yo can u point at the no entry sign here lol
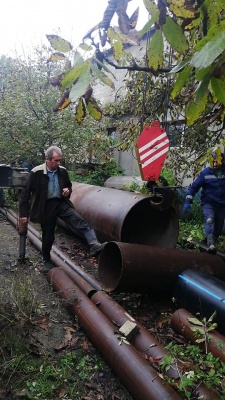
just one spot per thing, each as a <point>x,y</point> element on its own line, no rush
<point>152,148</point>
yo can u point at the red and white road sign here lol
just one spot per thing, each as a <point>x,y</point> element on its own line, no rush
<point>152,149</point>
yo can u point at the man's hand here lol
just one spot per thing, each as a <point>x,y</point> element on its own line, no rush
<point>186,209</point>
<point>24,220</point>
<point>65,192</point>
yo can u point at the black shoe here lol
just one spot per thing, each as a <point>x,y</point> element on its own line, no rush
<point>96,248</point>
<point>211,249</point>
<point>47,265</point>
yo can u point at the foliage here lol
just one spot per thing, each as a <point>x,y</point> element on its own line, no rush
<point>30,376</point>
<point>201,368</point>
<point>100,174</point>
<point>136,109</point>
<point>28,123</point>
<point>191,231</point>
<point>202,329</point>
<point>39,378</point>
<point>195,33</point>
<point>168,174</point>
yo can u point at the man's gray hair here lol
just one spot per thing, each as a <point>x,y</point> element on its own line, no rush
<point>53,149</point>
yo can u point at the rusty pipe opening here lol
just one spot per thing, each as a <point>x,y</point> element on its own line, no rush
<point>145,224</point>
<point>129,267</point>
<point>110,276</point>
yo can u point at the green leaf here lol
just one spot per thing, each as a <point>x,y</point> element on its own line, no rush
<point>196,108</point>
<point>152,8</point>
<point>212,327</point>
<point>85,47</point>
<point>147,26</point>
<point>174,35</point>
<point>195,321</point>
<point>200,74</point>
<point>81,86</point>
<point>74,74</point>
<point>193,112</point>
<point>207,55</point>
<point>212,317</point>
<point>116,44</point>
<point>181,80</point>
<point>59,44</point>
<point>154,12</point>
<point>77,59</point>
<point>180,66</point>
<point>103,77</point>
<point>202,90</point>
<point>104,67</point>
<point>212,32</point>
<point>200,340</point>
<point>218,87</point>
<point>155,51</point>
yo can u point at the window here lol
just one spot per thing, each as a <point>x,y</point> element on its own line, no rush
<point>174,132</point>
<point>111,132</point>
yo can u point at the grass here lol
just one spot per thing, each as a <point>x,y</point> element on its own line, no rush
<point>25,373</point>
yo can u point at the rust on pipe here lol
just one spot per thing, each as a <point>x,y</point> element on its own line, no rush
<point>139,378</point>
<point>215,341</point>
<point>90,292</point>
<point>202,247</point>
<point>119,215</point>
<point>144,342</point>
<point>133,267</point>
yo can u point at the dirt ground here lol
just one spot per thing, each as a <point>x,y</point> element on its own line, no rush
<point>55,330</point>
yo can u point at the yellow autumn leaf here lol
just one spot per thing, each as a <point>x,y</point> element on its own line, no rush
<point>80,112</point>
<point>93,109</point>
<point>182,8</point>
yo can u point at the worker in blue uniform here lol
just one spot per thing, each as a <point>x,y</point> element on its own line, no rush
<point>212,182</point>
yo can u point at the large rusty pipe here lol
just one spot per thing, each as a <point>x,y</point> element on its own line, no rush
<point>215,342</point>
<point>133,267</point>
<point>139,378</point>
<point>119,215</point>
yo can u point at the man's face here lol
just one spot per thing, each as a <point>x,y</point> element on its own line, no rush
<point>54,162</point>
<point>217,164</point>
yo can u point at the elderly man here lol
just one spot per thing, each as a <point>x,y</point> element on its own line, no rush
<point>46,198</point>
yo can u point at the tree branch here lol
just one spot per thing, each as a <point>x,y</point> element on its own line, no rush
<point>136,67</point>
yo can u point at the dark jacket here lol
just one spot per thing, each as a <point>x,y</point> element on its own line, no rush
<point>34,194</point>
<point>212,182</point>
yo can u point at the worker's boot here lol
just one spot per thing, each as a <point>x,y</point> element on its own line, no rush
<point>211,244</point>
